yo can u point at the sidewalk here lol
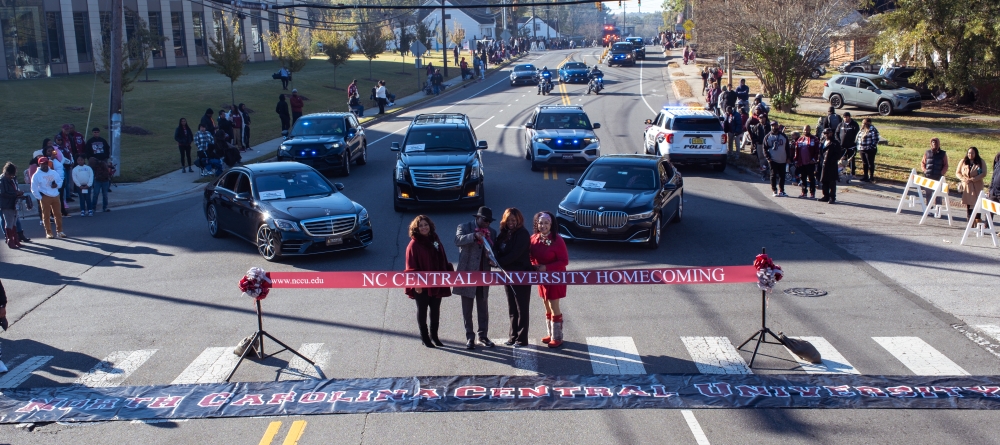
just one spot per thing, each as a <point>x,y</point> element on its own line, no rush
<point>176,183</point>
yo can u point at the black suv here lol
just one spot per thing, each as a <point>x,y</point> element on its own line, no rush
<point>622,54</point>
<point>640,47</point>
<point>326,141</point>
<point>438,163</point>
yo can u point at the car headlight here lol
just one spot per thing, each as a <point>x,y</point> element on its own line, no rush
<point>333,145</point>
<point>283,147</point>
<point>285,225</point>
<point>363,215</point>
<point>543,139</point>
<point>474,170</point>
<point>589,141</point>
<point>400,171</point>
<point>566,213</point>
<point>638,216</point>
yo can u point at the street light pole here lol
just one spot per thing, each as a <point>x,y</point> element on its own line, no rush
<point>115,74</point>
<point>444,40</point>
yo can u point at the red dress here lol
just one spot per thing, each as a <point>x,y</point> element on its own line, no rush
<point>555,258</point>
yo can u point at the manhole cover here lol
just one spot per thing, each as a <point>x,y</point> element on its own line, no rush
<point>805,292</point>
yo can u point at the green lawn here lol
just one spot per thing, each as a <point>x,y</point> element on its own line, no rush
<point>35,109</point>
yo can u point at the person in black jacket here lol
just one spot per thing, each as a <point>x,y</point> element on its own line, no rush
<point>246,125</point>
<point>208,121</point>
<point>283,114</point>
<point>3,322</point>
<point>184,138</point>
<point>847,135</point>
<point>832,153</point>
<point>512,254</point>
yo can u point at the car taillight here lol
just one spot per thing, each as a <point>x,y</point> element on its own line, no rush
<point>724,136</point>
<point>826,84</point>
<point>668,137</point>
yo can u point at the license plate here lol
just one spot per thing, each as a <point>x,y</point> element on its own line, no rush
<point>599,230</point>
<point>334,240</point>
<point>567,157</point>
<point>697,141</point>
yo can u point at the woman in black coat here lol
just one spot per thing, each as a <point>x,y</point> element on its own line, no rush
<point>830,157</point>
<point>513,254</point>
<point>184,138</point>
<point>283,114</point>
<point>426,253</point>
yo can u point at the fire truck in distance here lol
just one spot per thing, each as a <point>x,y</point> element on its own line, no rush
<point>611,35</point>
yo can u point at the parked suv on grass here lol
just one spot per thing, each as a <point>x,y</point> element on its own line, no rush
<point>870,91</point>
<point>687,136</point>
<point>560,135</point>
<point>439,162</point>
<point>862,65</point>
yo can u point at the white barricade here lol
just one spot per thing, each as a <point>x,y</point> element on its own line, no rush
<point>939,189</point>
<point>985,209</point>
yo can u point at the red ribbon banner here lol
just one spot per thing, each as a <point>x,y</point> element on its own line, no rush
<point>395,280</point>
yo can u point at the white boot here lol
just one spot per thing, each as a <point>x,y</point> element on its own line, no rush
<point>557,331</point>
<point>548,329</point>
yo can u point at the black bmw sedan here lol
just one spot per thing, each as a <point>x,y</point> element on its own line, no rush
<point>285,208</point>
<point>622,198</point>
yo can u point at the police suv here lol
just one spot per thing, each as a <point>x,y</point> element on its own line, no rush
<point>687,136</point>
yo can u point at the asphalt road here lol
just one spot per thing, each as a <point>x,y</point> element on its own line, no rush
<point>151,278</point>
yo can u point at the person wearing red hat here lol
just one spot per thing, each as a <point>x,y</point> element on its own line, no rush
<point>45,184</point>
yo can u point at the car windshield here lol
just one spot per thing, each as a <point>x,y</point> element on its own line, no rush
<point>697,124</point>
<point>562,121</point>
<point>575,66</point>
<point>524,68</point>
<point>629,177</point>
<point>636,41</point>
<point>295,184</point>
<point>622,47</point>
<point>328,126</point>
<point>884,84</point>
<point>443,139</point>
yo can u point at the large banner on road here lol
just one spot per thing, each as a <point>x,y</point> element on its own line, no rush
<point>489,393</point>
<point>391,280</point>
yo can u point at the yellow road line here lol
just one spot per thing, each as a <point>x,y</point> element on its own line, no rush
<point>295,432</point>
<point>272,430</point>
<point>545,174</point>
<point>554,174</point>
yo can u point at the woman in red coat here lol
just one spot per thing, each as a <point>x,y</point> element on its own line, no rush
<point>548,254</point>
<point>426,253</point>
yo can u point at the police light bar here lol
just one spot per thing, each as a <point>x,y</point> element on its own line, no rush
<point>669,107</point>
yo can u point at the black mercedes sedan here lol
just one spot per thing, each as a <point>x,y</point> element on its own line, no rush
<point>524,74</point>
<point>285,208</point>
<point>622,198</point>
<point>326,141</point>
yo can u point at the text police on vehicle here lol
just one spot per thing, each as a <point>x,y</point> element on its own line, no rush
<point>560,135</point>
<point>687,136</point>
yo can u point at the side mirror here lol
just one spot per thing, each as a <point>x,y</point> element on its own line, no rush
<point>482,145</point>
<point>649,122</point>
<point>669,186</point>
<point>529,125</point>
<point>339,185</point>
<point>571,182</point>
<point>597,125</point>
<point>245,196</point>
<point>394,146</point>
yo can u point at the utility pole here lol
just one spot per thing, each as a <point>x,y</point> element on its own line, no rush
<point>534,23</point>
<point>115,74</point>
<point>503,11</point>
<point>444,40</point>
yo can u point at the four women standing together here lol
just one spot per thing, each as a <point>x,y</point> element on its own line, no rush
<point>515,250</point>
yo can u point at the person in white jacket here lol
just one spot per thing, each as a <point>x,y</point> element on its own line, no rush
<point>45,186</point>
<point>83,177</point>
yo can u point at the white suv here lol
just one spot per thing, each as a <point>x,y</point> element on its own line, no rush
<point>687,136</point>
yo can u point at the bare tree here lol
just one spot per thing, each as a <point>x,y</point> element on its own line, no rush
<point>337,47</point>
<point>781,41</point>
<point>371,39</point>
<point>457,35</point>
<point>135,52</point>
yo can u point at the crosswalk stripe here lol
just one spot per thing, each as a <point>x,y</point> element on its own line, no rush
<point>715,355</point>
<point>833,361</point>
<point>920,357</point>
<point>115,368</point>
<point>614,355</point>
<point>211,366</point>
<point>21,372</point>
<point>990,329</point>
<point>298,369</point>
<point>699,435</point>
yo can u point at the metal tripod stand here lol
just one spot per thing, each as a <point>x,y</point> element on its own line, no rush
<point>257,345</point>
<point>764,331</point>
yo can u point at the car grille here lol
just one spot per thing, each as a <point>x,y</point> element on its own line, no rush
<point>567,144</point>
<point>307,151</point>
<point>437,178</point>
<point>332,225</point>
<point>593,218</point>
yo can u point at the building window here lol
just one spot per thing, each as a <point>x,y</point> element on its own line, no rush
<point>487,32</point>
<point>847,46</point>
<point>219,28</point>
<point>53,31</point>
<point>156,30</point>
<point>272,22</point>
<point>177,31</point>
<point>81,29</point>
<point>257,29</point>
<point>198,21</point>
<point>25,43</point>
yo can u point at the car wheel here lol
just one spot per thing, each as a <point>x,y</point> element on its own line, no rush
<point>815,74</point>
<point>836,101</point>
<point>345,169</point>
<point>268,244</point>
<point>884,108</point>
<point>680,209</point>
<point>857,70</point>
<point>654,239</point>
<point>720,167</point>
<point>363,159</point>
<point>212,215</point>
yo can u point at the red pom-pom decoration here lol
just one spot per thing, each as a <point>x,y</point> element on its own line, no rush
<point>256,283</point>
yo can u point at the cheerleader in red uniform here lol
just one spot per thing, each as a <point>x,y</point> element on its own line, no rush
<point>548,254</point>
